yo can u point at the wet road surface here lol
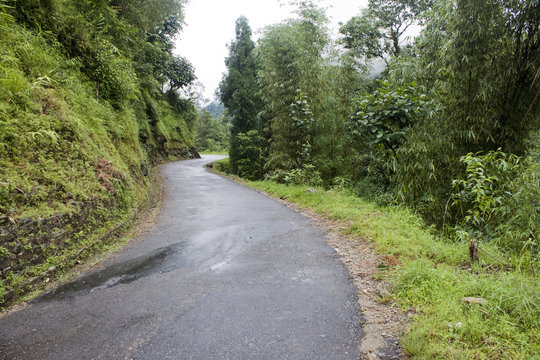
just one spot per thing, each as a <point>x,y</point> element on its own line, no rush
<point>226,273</point>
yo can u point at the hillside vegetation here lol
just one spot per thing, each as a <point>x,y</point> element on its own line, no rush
<point>89,101</point>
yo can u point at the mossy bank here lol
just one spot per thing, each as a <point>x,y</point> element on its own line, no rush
<point>86,110</point>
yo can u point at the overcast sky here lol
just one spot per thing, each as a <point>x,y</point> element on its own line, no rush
<point>210,27</point>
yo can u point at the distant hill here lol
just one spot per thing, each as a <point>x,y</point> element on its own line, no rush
<point>215,108</point>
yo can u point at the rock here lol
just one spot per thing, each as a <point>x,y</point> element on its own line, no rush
<point>161,139</point>
<point>16,248</point>
<point>311,190</point>
<point>27,254</point>
<point>383,294</point>
<point>474,300</point>
<point>144,168</point>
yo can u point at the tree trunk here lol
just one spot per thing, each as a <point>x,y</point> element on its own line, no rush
<point>473,250</point>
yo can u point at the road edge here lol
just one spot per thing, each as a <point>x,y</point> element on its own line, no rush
<point>384,321</point>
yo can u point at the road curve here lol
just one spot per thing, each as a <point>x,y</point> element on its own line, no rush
<point>226,273</point>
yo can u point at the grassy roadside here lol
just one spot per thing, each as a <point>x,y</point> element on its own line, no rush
<point>431,275</point>
<point>219,152</point>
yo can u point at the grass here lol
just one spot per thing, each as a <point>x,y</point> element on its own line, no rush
<point>432,276</point>
<point>54,131</point>
<point>217,152</point>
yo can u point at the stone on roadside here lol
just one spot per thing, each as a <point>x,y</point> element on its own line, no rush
<point>474,300</point>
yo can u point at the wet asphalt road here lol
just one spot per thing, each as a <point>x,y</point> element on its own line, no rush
<point>226,273</point>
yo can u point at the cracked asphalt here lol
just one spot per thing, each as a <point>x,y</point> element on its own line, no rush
<point>226,273</point>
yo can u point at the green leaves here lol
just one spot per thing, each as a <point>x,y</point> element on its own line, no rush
<point>486,55</point>
<point>250,154</point>
<point>377,31</point>
<point>239,90</point>
<point>495,200</point>
<point>386,115</point>
<point>291,84</point>
<point>213,133</point>
<point>179,72</point>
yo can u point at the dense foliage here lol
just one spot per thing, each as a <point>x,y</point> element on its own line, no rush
<point>461,88</point>
<point>238,89</point>
<point>378,32</point>
<point>213,133</point>
<point>86,83</point>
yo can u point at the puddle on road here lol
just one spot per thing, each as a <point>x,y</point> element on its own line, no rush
<point>219,266</point>
<point>213,250</point>
<point>116,274</point>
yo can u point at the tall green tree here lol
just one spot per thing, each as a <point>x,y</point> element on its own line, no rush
<point>482,60</point>
<point>291,56</point>
<point>378,31</point>
<point>239,90</point>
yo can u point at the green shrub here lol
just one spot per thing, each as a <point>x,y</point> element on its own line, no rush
<point>250,155</point>
<point>223,165</point>
<point>307,175</point>
<point>499,199</point>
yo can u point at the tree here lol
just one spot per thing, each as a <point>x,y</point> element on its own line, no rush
<point>481,58</point>
<point>291,55</point>
<point>212,133</point>
<point>301,120</point>
<point>378,31</point>
<point>149,15</point>
<point>488,67</point>
<point>179,72</point>
<point>239,90</point>
<point>386,116</point>
<point>381,124</point>
<point>250,159</point>
<point>331,141</point>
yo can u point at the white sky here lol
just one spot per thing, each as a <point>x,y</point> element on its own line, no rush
<point>210,27</point>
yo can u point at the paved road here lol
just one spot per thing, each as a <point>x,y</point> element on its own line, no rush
<point>226,273</point>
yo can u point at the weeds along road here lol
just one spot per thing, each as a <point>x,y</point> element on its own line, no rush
<point>226,273</point>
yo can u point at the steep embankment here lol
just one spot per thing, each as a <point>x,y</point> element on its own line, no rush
<point>82,120</point>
